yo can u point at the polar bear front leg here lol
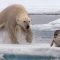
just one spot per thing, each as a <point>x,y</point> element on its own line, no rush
<point>29,36</point>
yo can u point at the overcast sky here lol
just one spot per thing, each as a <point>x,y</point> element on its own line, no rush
<point>34,5</point>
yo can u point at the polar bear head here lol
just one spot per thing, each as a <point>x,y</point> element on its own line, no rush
<point>24,21</point>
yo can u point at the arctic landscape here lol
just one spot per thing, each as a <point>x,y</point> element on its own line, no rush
<point>45,20</point>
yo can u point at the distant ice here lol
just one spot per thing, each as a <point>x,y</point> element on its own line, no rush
<point>53,25</point>
<point>35,6</point>
<point>57,21</point>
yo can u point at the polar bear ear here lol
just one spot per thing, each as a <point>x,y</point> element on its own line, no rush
<point>17,20</point>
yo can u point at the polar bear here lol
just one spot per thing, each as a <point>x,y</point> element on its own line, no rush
<point>14,18</point>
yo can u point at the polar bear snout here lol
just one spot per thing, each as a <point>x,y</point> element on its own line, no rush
<point>27,27</point>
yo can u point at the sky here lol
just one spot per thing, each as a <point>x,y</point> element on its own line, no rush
<point>35,6</point>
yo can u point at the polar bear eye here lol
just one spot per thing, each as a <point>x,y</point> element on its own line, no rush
<point>29,21</point>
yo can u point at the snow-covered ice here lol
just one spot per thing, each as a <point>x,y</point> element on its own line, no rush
<point>53,25</point>
<point>35,6</point>
<point>33,49</point>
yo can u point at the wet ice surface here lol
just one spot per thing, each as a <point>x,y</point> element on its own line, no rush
<point>32,49</point>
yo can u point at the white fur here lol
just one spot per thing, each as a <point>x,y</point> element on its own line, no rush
<point>4,37</point>
<point>21,37</point>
